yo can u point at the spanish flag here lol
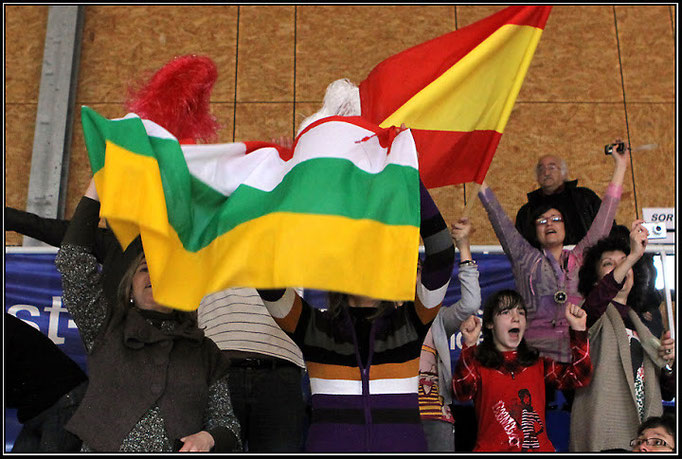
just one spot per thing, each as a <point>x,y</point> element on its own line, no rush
<point>342,214</point>
<point>456,92</point>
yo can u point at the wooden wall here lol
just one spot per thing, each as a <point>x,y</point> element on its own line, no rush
<point>599,72</point>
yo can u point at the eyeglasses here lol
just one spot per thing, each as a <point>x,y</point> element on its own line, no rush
<point>543,221</point>
<point>650,442</point>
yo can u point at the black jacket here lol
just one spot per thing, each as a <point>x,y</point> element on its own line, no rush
<point>105,248</point>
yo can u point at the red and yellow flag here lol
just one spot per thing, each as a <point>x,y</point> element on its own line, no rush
<point>456,92</point>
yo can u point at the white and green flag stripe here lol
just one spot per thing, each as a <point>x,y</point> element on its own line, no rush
<point>341,214</point>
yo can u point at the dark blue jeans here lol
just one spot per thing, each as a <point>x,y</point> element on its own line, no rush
<point>268,403</point>
<point>45,432</point>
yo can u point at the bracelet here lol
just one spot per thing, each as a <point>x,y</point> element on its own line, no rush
<point>468,263</point>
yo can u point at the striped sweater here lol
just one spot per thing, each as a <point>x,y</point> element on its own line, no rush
<point>369,402</point>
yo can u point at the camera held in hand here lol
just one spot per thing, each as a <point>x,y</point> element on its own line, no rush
<point>620,148</point>
<point>657,230</point>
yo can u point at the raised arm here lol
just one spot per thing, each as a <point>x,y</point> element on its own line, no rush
<point>603,221</point>
<point>470,299</point>
<point>638,242</point>
<point>578,373</point>
<point>513,243</point>
<point>81,278</point>
<point>48,230</point>
<point>466,378</point>
<point>52,230</point>
<point>438,261</point>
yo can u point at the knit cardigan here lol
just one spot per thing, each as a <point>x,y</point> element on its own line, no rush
<point>604,414</point>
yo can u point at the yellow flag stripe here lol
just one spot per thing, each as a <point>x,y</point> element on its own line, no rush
<point>143,201</point>
<point>312,250</point>
<point>467,96</point>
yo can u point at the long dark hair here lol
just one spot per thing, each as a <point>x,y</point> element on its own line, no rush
<point>486,352</point>
<point>588,276</point>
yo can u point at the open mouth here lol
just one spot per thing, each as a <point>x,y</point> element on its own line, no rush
<point>551,231</point>
<point>514,332</point>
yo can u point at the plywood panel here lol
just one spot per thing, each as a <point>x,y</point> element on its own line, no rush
<point>654,169</point>
<point>24,44</point>
<point>571,102</point>
<point>224,113</point>
<point>122,43</point>
<point>265,69</point>
<point>19,121</point>
<point>647,47</point>
<point>348,41</point>
<point>263,121</point>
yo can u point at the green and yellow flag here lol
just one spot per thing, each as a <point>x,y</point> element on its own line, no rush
<point>341,215</point>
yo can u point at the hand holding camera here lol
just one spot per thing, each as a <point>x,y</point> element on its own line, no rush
<point>638,239</point>
<point>657,230</point>
<point>618,147</point>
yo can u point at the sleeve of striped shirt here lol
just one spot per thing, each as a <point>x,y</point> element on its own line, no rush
<point>284,306</point>
<point>572,375</point>
<point>466,377</point>
<point>438,261</point>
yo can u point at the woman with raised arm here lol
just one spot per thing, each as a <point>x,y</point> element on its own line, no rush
<point>547,278</point>
<point>157,384</point>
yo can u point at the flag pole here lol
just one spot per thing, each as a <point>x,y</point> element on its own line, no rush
<point>470,202</point>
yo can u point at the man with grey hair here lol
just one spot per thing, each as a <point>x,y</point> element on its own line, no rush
<point>579,205</point>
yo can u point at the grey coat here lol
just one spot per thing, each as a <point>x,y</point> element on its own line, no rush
<point>604,414</point>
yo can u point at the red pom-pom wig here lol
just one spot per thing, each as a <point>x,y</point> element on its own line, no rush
<point>177,97</point>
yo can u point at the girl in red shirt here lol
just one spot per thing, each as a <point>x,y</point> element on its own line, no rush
<point>506,378</point>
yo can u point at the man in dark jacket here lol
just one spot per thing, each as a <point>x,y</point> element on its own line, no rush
<point>579,205</point>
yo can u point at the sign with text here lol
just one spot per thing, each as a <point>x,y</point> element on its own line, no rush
<point>663,219</point>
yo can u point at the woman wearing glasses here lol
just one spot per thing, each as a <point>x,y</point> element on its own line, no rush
<point>548,277</point>
<point>656,434</point>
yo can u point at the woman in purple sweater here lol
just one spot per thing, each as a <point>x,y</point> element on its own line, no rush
<point>548,277</point>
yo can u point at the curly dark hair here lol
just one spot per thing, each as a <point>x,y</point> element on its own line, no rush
<point>486,352</point>
<point>588,275</point>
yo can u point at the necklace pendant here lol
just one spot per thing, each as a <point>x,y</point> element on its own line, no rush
<point>560,297</point>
